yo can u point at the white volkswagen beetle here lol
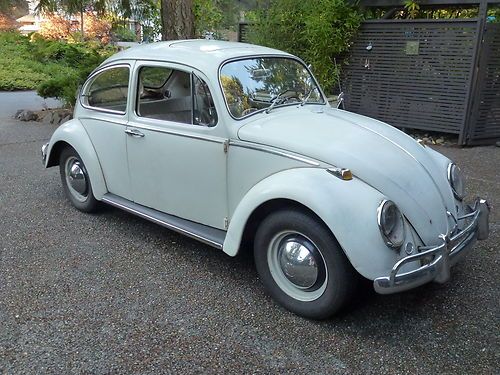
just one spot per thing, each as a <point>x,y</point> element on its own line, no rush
<point>235,144</point>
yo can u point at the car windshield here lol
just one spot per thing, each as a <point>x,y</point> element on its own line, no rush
<point>264,83</point>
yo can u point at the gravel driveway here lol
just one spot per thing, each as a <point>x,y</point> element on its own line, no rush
<point>12,101</point>
<point>111,293</point>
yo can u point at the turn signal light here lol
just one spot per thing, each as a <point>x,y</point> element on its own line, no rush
<point>342,173</point>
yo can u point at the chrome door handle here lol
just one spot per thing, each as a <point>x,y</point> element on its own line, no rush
<point>134,133</point>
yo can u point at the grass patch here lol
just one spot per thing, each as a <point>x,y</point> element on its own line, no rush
<point>53,68</point>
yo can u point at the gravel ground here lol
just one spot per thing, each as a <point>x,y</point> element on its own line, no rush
<point>110,293</point>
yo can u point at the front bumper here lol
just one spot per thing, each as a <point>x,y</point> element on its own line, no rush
<point>436,260</point>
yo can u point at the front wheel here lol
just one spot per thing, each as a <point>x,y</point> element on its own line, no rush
<point>76,181</point>
<point>302,265</point>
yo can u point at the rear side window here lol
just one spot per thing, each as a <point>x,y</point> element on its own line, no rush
<point>109,90</point>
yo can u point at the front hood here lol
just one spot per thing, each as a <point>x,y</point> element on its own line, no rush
<point>380,155</point>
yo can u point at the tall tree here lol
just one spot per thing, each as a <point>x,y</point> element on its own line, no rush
<point>177,18</point>
<point>73,7</point>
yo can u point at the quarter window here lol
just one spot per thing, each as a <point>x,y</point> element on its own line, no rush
<point>109,90</point>
<point>204,108</point>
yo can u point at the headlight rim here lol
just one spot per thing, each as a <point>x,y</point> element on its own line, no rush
<point>388,242</point>
<point>449,173</point>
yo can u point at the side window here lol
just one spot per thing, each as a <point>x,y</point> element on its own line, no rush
<point>109,90</point>
<point>164,94</point>
<point>174,95</point>
<point>204,109</point>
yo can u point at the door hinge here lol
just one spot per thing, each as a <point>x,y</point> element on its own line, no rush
<point>226,145</point>
<point>226,223</point>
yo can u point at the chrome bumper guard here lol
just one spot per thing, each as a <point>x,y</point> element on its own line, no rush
<point>437,260</point>
<point>44,152</point>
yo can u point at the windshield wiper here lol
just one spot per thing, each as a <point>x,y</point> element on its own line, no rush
<point>276,101</point>
<point>308,95</point>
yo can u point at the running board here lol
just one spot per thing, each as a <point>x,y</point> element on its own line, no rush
<point>211,236</point>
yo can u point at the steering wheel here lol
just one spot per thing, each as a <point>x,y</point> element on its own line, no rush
<point>248,111</point>
<point>285,99</point>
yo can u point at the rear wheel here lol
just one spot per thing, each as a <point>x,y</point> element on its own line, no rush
<point>76,181</point>
<point>301,264</point>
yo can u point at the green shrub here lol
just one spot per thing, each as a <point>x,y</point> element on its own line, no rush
<point>61,87</point>
<point>317,31</point>
<point>124,34</point>
<point>54,68</point>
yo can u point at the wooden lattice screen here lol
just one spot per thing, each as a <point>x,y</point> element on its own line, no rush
<point>412,74</point>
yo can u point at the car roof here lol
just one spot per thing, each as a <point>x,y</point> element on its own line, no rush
<point>201,54</point>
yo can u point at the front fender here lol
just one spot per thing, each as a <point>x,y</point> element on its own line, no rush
<point>348,208</point>
<point>74,134</point>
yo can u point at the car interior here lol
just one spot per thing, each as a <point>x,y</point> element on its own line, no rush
<point>167,94</point>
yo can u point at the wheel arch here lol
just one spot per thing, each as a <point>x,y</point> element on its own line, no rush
<point>72,134</point>
<point>266,208</point>
<point>347,208</point>
<point>55,153</point>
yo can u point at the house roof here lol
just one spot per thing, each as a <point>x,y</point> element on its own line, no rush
<point>28,18</point>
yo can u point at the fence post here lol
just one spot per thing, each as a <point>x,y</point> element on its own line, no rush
<point>473,95</point>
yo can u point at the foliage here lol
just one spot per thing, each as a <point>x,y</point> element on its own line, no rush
<point>148,13</point>
<point>124,34</point>
<point>56,27</point>
<point>316,36</point>
<point>56,68</point>
<point>412,8</point>
<point>62,87</point>
<point>214,15</point>
<point>96,28</point>
<point>7,23</point>
<point>207,15</point>
<point>72,7</point>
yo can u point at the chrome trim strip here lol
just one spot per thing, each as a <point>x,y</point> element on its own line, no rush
<point>163,223</point>
<point>443,201</point>
<point>172,132</point>
<point>112,121</point>
<point>380,208</point>
<point>269,150</point>
<point>448,175</point>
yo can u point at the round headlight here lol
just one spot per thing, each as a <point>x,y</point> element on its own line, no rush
<point>456,181</point>
<point>391,224</point>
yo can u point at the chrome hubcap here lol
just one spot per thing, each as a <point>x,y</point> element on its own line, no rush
<point>297,266</point>
<point>298,262</point>
<point>76,178</point>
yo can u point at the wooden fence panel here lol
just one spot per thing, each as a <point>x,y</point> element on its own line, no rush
<point>412,74</point>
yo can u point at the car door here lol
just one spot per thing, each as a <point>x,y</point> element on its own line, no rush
<point>176,150</point>
<point>104,116</point>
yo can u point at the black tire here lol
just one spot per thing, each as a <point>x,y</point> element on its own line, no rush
<point>86,201</point>
<point>333,286</point>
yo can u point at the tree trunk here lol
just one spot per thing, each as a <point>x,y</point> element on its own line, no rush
<point>177,19</point>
